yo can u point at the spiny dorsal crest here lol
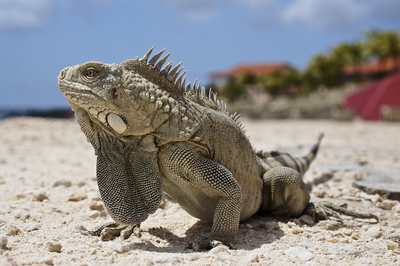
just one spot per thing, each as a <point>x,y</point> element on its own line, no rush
<point>177,82</point>
<point>176,78</point>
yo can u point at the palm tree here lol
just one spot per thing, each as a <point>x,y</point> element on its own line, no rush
<point>324,70</point>
<point>383,45</point>
<point>349,54</point>
<point>280,82</point>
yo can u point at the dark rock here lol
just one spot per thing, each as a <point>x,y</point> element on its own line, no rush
<point>382,182</point>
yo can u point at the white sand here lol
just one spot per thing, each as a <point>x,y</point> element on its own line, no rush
<point>44,162</point>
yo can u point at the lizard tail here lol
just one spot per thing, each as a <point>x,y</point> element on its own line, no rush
<point>310,156</point>
<point>300,164</point>
<point>314,149</point>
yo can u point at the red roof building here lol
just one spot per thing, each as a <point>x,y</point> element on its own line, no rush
<point>368,102</point>
<point>373,68</point>
<point>255,69</point>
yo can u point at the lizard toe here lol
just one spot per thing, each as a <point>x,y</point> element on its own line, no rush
<point>110,231</point>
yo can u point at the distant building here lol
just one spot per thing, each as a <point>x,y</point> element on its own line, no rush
<point>254,93</point>
<point>371,70</point>
<point>379,100</point>
<point>220,77</point>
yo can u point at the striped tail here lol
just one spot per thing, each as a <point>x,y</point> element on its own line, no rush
<point>300,164</point>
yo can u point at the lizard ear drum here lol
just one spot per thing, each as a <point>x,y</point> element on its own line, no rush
<point>117,123</point>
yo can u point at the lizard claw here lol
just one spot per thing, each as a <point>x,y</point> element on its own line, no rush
<point>324,209</point>
<point>109,231</point>
<point>204,243</point>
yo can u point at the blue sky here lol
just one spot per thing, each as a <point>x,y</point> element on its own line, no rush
<point>40,37</point>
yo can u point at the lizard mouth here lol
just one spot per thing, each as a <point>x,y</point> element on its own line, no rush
<point>83,96</point>
<point>76,93</point>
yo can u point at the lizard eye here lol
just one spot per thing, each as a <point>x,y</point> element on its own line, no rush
<point>91,72</point>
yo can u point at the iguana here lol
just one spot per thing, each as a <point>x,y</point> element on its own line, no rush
<point>154,134</point>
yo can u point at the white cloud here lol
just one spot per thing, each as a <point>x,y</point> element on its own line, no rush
<point>325,14</point>
<point>319,14</point>
<point>263,12</point>
<point>388,10</point>
<point>24,14</point>
<point>197,10</point>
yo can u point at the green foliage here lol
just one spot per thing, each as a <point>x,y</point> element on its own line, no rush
<point>383,44</point>
<point>323,70</point>
<point>349,53</point>
<point>233,90</point>
<point>247,79</point>
<point>279,82</point>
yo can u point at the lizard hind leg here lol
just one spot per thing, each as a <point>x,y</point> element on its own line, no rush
<point>284,189</point>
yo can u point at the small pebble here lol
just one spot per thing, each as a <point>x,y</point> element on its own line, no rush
<point>39,196</point>
<point>77,197</point>
<point>167,259</point>
<point>391,245</point>
<point>96,205</point>
<point>270,238</point>
<point>251,258</point>
<point>21,214</point>
<point>31,227</point>
<point>299,252</point>
<point>12,230</point>
<point>373,198</point>
<point>249,226</point>
<point>10,262</point>
<point>47,260</point>
<point>17,197</point>
<point>307,219</point>
<point>355,236</point>
<point>93,214</point>
<point>123,247</point>
<point>3,240</point>
<point>271,225</point>
<point>374,232</point>
<point>349,250</point>
<point>65,183</point>
<point>219,249</point>
<point>297,230</point>
<point>347,231</point>
<point>291,224</point>
<point>376,198</point>
<point>387,204</point>
<point>393,237</point>
<point>54,246</point>
<point>330,224</point>
<point>82,229</point>
<point>81,183</point>
<point>333,240</point>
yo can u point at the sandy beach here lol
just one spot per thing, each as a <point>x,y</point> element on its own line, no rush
<point>49,195</point>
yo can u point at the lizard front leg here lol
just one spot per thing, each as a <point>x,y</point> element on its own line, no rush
<point>215,192</point>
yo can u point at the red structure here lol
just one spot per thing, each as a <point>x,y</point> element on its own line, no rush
<point>255,69</point>
<point>373,68</point>
<point>368,102</point>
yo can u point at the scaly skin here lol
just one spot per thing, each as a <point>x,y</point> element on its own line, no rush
<point>151,136</point>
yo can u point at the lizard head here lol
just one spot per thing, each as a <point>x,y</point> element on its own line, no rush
<point>96,89</point>
<point>136,97</point>
<point>133,98</point>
